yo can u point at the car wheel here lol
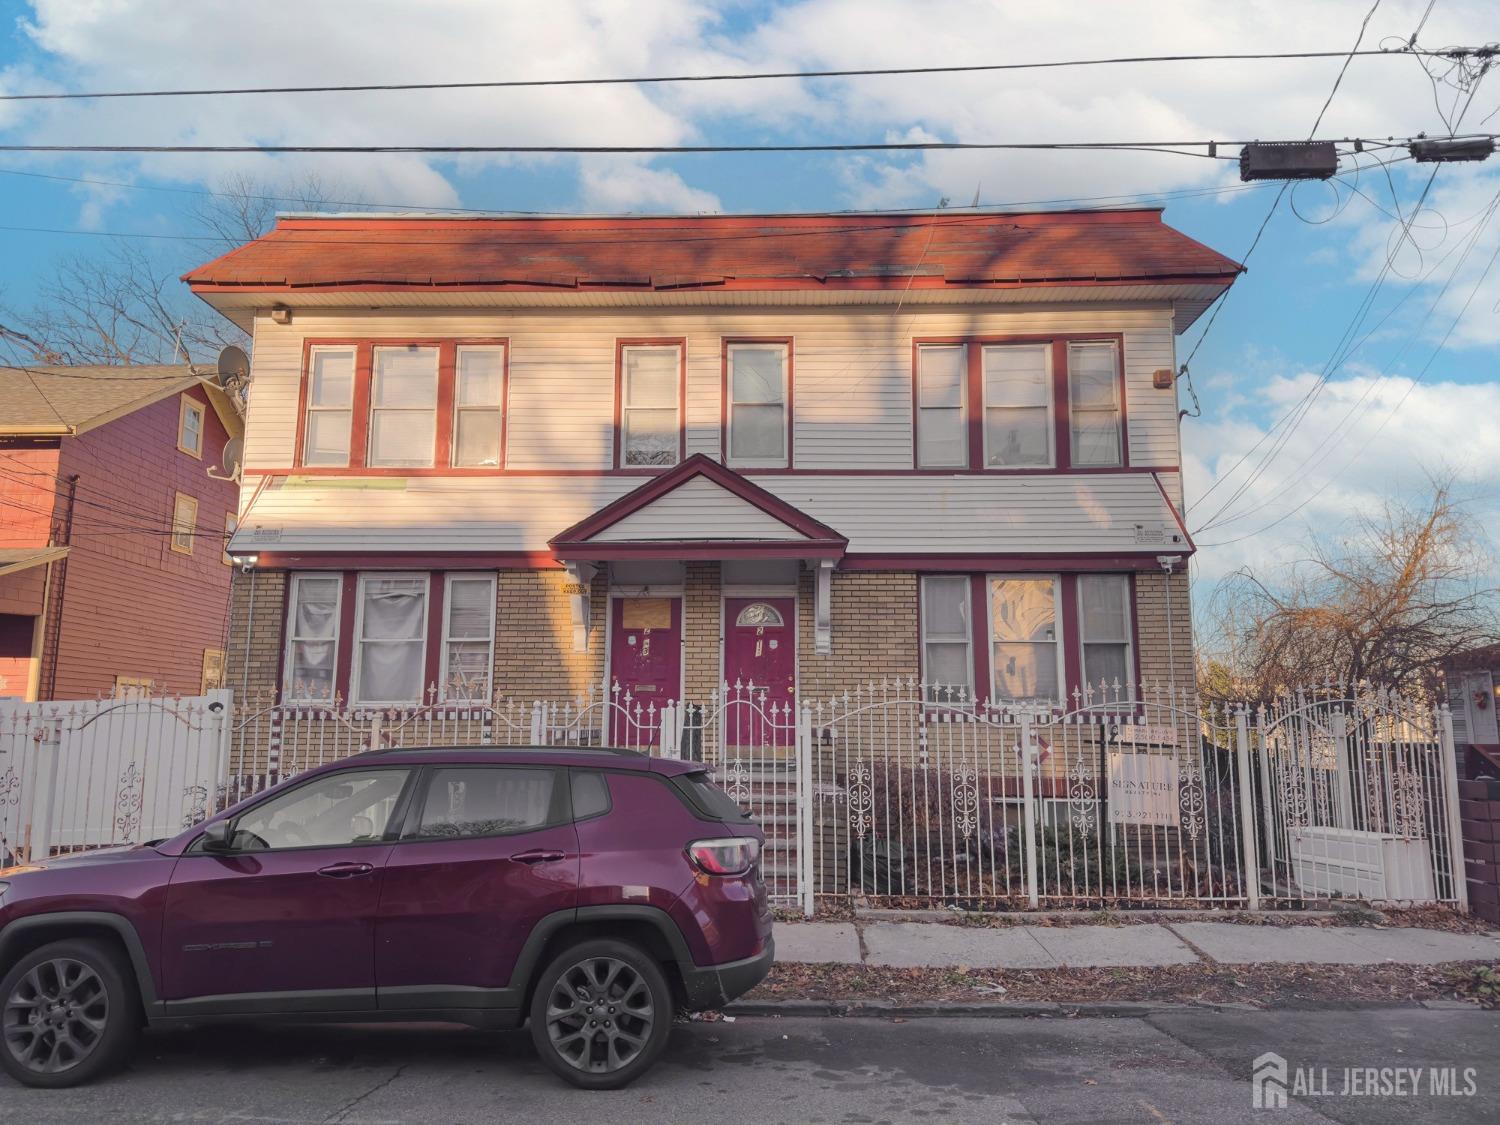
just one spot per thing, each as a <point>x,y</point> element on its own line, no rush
<point>69,1011</point>
<point>601,1014</point>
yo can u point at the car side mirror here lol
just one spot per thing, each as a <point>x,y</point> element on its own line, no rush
<point>216,837</point>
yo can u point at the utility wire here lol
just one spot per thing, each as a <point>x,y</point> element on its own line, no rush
<point>649,80</point>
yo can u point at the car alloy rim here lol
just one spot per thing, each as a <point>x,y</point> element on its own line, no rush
<point>55,1015</point>
<point>600,1015</point>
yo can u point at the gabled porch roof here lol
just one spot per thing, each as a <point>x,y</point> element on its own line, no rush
<point>698,510</point>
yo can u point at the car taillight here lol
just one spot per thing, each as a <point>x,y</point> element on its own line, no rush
<point>732,855</point>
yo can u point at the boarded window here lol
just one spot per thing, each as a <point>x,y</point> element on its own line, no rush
<point>646,613</point>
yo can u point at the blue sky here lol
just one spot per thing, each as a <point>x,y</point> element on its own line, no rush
<point>1406,402</point>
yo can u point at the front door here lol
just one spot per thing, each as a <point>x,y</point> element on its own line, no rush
<point>645,660</point>
<point>760,652</point>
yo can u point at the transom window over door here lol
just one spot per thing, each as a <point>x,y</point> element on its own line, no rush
<point>650,426</point>
<point>1094,401</point>
<point>1017,406</point>
<point>390,641</point>
<point>1025,656</point>
<point>330,407</point>
<point>942,421</point>
<point>756,398</point>
<point>403,407</point>
<point>478,406</point>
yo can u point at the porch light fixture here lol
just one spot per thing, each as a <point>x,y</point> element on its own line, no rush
<point>246,563</point>
<point>1288,160</point>
<point>280,314</point>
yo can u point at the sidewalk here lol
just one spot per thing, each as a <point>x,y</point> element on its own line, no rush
<point>935,945</point>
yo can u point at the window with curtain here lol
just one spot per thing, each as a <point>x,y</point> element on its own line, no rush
<point>403,407</point>
<point>1023,628</point>
<point>390,651</point>
<point>478,406</point>
<point>947,660</point>
<point>757,404</point>
<point>942,430</point>
<point>330,407</point>
<point>649,380</point>
<point>1104,619</point>
<point>312,638</point>
<point>468,637</point>
<point>1094,403</point>
<point>1017,406</point>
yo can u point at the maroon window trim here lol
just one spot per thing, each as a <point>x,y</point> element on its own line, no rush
<point>678,342</point>
<point>1061,412</point>
<point>359,425</point>
<point>791,381</point>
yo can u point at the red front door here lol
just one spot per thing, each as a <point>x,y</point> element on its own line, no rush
<point>760,649</point>
<point>645,660</point>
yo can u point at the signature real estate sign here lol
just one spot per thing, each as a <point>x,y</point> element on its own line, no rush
<point>1142,788</point>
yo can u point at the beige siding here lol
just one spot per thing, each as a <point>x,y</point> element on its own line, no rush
<point>698,509</point>
<point>851,387</point>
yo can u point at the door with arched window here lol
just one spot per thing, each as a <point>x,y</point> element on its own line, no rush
<point>760,648</point>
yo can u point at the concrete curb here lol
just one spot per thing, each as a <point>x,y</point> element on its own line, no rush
<point>1033,1009</point>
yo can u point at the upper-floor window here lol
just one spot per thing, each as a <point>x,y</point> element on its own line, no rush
<point>1017,406</point>
<point>650,421</point>
<point>1094,401</point>
<point>478,406</point>
<point>757,400</point>
<point>330,407</point>
<point>390,638</point>
<point>403,407</point>
<point>1025,657</point>
<point>942,421</point>
<point>190,426</point>
<point>1104,621</point>
<point>184,523</point>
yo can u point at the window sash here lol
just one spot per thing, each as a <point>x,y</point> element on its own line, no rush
<point>190,428</point>
<point>1095,428</point>
<point>184,523</point>
<point>471,413</point>
<point>935,411</point>
<point>1112,643</point>
<point>419,414</point>
<point>1006,644</point>
<point>328,420</point>
<point>1017,399</point>
<point>307,648</point>
<point>639,409</point>
<point>743,405</point>
<point>949,641</point>
<point>372,650</point>
<point>460,643</point>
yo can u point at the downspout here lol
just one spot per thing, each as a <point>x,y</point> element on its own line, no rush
<point>62,585</point>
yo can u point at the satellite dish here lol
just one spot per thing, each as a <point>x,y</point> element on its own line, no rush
<point>232,459</point>
<point>234,366</point>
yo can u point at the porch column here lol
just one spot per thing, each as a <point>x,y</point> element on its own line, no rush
<point>580,580</point>
<point>823,607</point>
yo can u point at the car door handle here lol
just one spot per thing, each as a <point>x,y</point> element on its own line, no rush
<point>346,870</point>
<point>537,855</point>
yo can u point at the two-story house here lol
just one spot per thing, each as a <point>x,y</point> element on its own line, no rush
<point>114,516</point>
<point>512,457</point>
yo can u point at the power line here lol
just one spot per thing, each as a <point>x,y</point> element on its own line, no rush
<point>757,76</point>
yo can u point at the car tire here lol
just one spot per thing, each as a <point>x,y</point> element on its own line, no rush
<point>86,994</point>
<point>601,1013</point>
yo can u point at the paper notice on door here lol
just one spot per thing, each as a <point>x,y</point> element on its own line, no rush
<point>646,613</point>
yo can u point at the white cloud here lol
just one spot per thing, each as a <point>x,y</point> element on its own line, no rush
<point>624,184</point>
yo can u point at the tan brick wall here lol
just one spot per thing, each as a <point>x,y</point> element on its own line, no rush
<point>874,616</point>
<point>252,672</point>
<point>534,657</point>
<point>702,630</point>
<point>1163,663</point>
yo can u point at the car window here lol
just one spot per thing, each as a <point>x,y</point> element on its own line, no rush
<point>488,801</point>
<point>590,794</point>
<point>707,797</point>
<point>348,807</point>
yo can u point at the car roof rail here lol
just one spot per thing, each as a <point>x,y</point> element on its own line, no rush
<point>612,751</point>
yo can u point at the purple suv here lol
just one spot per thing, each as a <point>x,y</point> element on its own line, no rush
<point>591,892</point>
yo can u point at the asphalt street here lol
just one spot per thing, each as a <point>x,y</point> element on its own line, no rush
<point>1181,1066</point>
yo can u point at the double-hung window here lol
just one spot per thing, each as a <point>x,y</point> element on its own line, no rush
<point>1025,657</point>
<point>468,637</point>
<point>190,427</point>
<point>1094,401</point>
<point>478,405</point>
<point>330,407</point>
<point>403,407</point>
<point>184,523</point>
<point>1018,406</point>
<point>1104,620</point>
<point>390,638</point>
<point>312,638</point>
<point>757,394</point>
<point>942,422</point>
<point>947,637</point>
<point>649,425</point>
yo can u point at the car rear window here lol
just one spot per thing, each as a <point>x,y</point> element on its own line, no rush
<point>590,794</point>
<point>707,797</point>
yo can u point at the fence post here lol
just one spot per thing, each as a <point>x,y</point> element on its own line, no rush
<point>805,809</point>
<point>221,714</point>
<point>377,735</point>
<point>1449,767</point>
<point>1028,796</point>
<point>537,722</point>
<point>1249,849</point>
<point>48,753</point>
<point>667,731</point>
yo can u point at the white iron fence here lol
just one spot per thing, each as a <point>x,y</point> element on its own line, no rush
<point>900,793</point>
